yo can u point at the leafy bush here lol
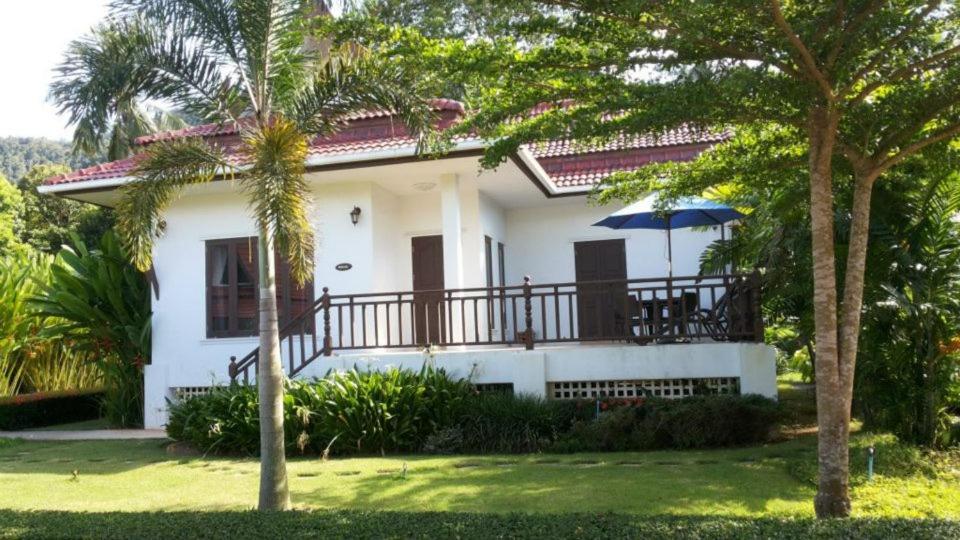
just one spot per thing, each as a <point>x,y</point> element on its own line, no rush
<point>31,360</point>
<point>225,420</point>
<point>48,409</point>
<point>379,524</point>
<point>692,422</point>
<point>350,411</point>
<point>100,302</point>
<point>401,411</point>
<point>909,354</point>
<point>504,423</point>
<point>393,410</point>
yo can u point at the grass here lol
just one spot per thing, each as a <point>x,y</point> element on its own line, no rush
<point>140,476</point>
<point>137,489</point>
<point>771,481</point>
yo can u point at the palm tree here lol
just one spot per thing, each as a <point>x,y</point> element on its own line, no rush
<point>265,67</point>
<point>104,90</point>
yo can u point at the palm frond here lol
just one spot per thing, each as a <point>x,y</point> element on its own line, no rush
<point>161,171</point>
<point>272,34</point>
<point>278,194</point>
<point>195,81</point>
<point>258,42</point>
<point>212,22</point>
<point>102,79</point>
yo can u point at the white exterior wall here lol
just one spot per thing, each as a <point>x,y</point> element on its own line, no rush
<point>538,242</point>
<point>531,371</point>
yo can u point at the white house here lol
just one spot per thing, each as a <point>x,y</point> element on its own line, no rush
<point>416,251</point>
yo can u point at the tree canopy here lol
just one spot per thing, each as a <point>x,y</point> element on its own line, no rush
<point>19,154</point>
<point>857,86</point>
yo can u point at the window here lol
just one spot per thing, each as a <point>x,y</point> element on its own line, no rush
<point>233,289</point>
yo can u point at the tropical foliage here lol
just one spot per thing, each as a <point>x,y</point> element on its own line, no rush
<point>693,422</point>
<point>49,221</point>
<point>366,412</point>
<point>861,86</point>
<point>99,304</point>
<point>344,412</point>
<point>911,337</point>
<point>20,154</point>
<point>101,85</point>
<point>11,224</point>
<point>31,360</point>
<point>264,67</point>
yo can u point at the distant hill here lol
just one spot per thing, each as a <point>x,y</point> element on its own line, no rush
<point>18,154</point>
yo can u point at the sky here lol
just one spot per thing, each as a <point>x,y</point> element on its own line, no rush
<point>33,36</point>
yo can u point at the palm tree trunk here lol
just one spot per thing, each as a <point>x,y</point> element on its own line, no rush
<point>833,411</point>
<point>274,491</point>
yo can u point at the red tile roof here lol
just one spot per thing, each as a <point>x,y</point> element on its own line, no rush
<point>568,163</point>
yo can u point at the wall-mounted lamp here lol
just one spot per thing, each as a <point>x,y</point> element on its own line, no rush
<point>355,215</point>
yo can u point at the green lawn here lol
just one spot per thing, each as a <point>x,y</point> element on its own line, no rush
<point>769,481</point>
<point>140,476</point>
<point>135,489</point>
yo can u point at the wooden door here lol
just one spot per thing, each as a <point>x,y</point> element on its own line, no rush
<point>600,307</point>
<point>428,307</point>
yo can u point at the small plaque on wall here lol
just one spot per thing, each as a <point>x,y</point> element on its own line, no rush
<point>343,267</point>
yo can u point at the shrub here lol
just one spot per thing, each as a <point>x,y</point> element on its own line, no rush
<point>340,523</point>
<point>99,301</point>
<point>507,423</point>
<point>225,420</point>
<point>402,411</point>
<point>48,409</point>
<point>30,359</point>
<point>692,422</point>
<point>350,411</point>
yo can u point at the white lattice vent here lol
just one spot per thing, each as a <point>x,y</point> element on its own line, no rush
<point>186,392</point>
<point>494,388</point>
<point>667,388</point>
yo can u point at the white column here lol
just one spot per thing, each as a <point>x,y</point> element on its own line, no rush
<point>452,226</point>
<point>474,258</point>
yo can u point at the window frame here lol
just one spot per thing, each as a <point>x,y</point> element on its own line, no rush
<point>284,286</point>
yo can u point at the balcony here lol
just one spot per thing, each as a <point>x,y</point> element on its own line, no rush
<point>640,311</point>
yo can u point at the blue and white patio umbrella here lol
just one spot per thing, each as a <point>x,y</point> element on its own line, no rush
<point>683,213</point>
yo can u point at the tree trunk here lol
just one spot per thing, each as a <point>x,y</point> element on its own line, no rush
<point>274,491</point>
<point>853,281</point>
<point>930,411</point>
<point>833,417</point>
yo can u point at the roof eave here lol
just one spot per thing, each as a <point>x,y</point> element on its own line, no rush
<point>105,184</point>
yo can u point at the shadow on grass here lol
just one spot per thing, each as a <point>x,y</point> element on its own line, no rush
<point>639,485</point>
<point>93,457</point>
<point>365,524</point>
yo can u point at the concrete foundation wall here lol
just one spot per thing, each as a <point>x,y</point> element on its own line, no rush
<point>529,371</point>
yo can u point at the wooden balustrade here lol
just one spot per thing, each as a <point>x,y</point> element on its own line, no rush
<point>641,311</point>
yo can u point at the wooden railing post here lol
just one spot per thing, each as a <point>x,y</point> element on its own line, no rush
<point>527,313</point>
<point>232,370</point>
<point>756,307</point>
<point>327,339</point>
<point>671,308</point>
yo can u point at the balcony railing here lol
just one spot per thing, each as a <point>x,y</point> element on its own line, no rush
<point>641,311</point>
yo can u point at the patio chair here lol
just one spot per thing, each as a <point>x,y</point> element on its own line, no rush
<point>719,320</point>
